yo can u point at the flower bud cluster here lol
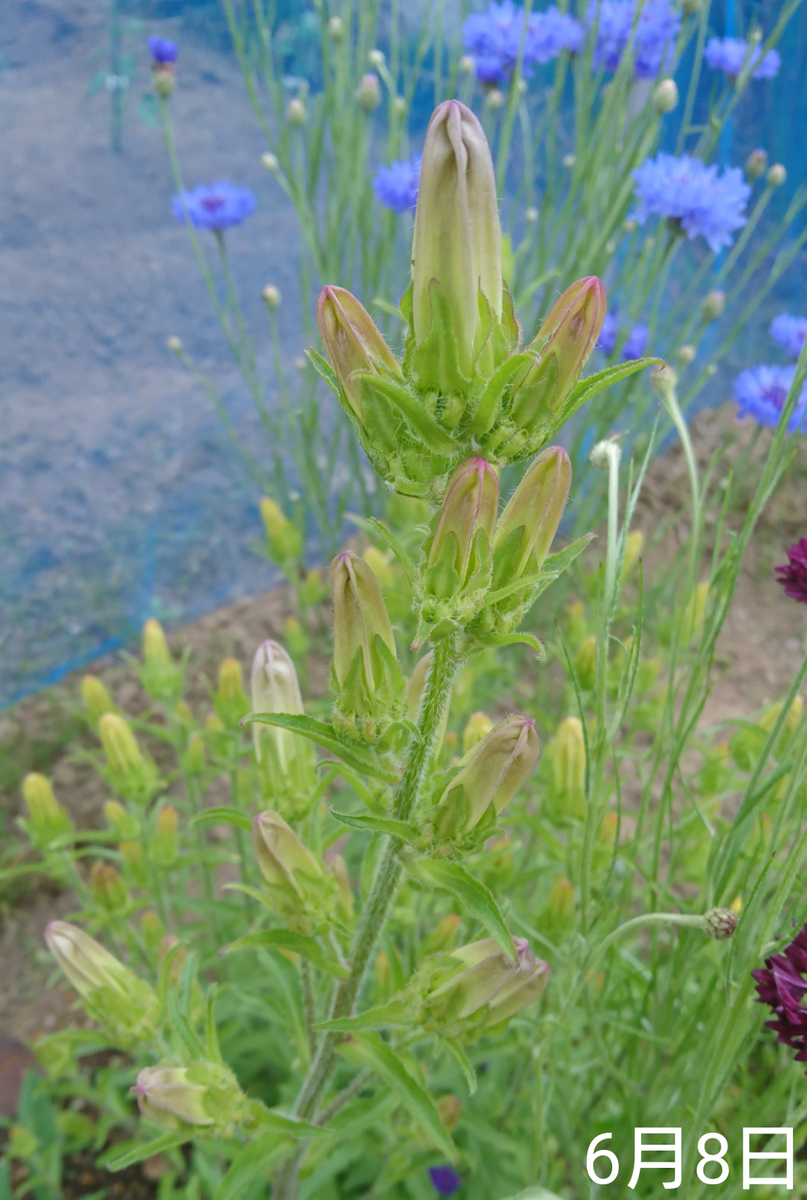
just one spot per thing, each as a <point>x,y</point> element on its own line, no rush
<point>202,1100</point>
<point>463,388</point>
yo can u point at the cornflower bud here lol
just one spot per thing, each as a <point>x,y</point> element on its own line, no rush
<point>494,99</point>
<point>665,96</point>
<point>112,994</point>
<point>713,305</point>
<point>353,343</point>
<point>756,164</point>
<point>275,689</point>
<point>720,923</point>
<point>230,699</point>
<point>133,856</point>
<point>336,28</point>
<point>477,727</point>
<point>97,699</point>
<point>108,889</point>
<point>569,768</point>
<point>47,819</point>
<point>286,864</point>
<point>296,113</point>
<point>585,663</point>
<point>776,175</point>
<point>364,655</point>
<point>563,344</point>
<point>376,59</point>
<point>469,512</point>
<point>490,774</point>
<point>271,296</point>
<point>456,244</point>
<point>284,538</point>
<point>686,354</point>
<point>164,841</point>
<point>270,161</point>
<point>527,527</point>
<point>369,92</point>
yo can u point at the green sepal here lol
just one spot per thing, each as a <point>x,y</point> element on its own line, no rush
<point>487,410</point>
<point>559,562</point>
<point>587,388</point>
<point>536,400</point>
<point>441,579</point>
<point>381,424</point>
<point>433,435</point>
<point>325,371</point>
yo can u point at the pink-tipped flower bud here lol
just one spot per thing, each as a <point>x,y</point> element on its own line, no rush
<point>469,510</point>
<point>286,864</point>
<point>166,1096</point>
<point>525,986</point>
<point>483,969</point>
<point>527,527</point>
<point>352,342</point>
<point>564,343</point>
<point>490,774</point>
<point>363,643</point>
<point>456,239</point>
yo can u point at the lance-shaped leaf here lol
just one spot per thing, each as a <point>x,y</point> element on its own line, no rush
<point>357,757</point>
<point>451,877</point>
<point>388,825</point>
<point>287,939</point>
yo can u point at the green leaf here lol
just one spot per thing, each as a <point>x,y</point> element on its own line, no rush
<point>434,436</point>
<point>457,1052</point>
<point>394,1012</point>
<point>223,816</point>
<point>126,1154</point>
<point>325,371</point>
<point>286,939</point>
<point>587,388</point>
<point>514,639</point>
<point>564,558</point>
<point>359,759</point>
<point>399,829</point>
<point>368,1050</point>
<point>249,1165</point>
<point>451,877</point>
<point>283,1124</point>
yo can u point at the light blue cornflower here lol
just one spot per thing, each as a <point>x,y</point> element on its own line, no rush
<point>216,207</point>
<point>652,35</point>
<point>396,186</point>
<point>760,392</point>
<point>687,191</point>
<point>730,55</point>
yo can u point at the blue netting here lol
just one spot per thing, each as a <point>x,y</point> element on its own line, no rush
<point>120,495</point>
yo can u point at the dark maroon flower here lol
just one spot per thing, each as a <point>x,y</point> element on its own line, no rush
<point>782,985</point>
<point>793,577</point>
<point>445,1179</point>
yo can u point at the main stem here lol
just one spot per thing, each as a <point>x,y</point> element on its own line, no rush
<point>385,883</point>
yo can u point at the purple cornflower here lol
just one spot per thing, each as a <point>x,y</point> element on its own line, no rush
<point>652,35</point>
<point>732,54</point>
<point>761,392</point>
<point>216,208</point>
<point>495,39</point>
<point>396,186</point>
<point>782,984</point>
<point>445,1179</point>
<point>163,50</point>
<point>789,332</point>
<point>793,577</point>
<point>608,335</point>
<point>688,191</point>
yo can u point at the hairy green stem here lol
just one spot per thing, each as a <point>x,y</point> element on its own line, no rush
<point>385,883</point>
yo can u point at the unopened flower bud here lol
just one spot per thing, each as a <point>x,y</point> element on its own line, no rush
<point>563,343</point>
<point>634,548</point>
<point>376,59</point>
<point>230,699</point>
<point>160,675</point>
<point>120,744</point>
<point>108,889</point>
<point>336,28</point>
<point>166,1097</point>
<point>174,344</point>
<point>569,161</point>
<point>286,864</point>
<point>713,305</point>
<point>296,112</point>
<point>482,971</point>
<point>284,538</point>
<point>364,654</point>
<point>477,727</point>
<point>559,917</point>
<point>756,164</point>
<point>47,819</point>
<point>665,96</point>
<point>119,820</point>
<point>112,994</point>
<point>719,923</point>
<point>527,527</point>
<point>369,92</point>
<point>695,613</point>
<point>469,512</point>
<point>686,354</point>
<point>400,104</point>
<point>97,699</point>
<point>526,986</point>
<point>353,343</point>
<point>164,841</point>
<point>585,663</point>
<point>569,768</point>
<point>134,859</point>
<point>468,64</point>
<point>494,100</point>
<point>271,296</point>
<point>193,760</point>
<point>531,214</point>
<point>490,774</point>
<point>153,930</point>
<point>776,175</point>
<point>456,239</point>
<point>276,689</point>
<point>155,647</point>
<point>269,161</point>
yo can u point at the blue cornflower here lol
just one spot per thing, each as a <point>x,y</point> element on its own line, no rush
<point>163,50</point>
<point>652,35</point>
<point>732,54</point>
<point>761,392</point>
<point>688,191</point>
<point>445,1180</point>
<point>635,343</point>
<point>608,335</point>
<point>789,332</point>
<point>216,208</point>
<point>396,186</point>
<point>495,39</point>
